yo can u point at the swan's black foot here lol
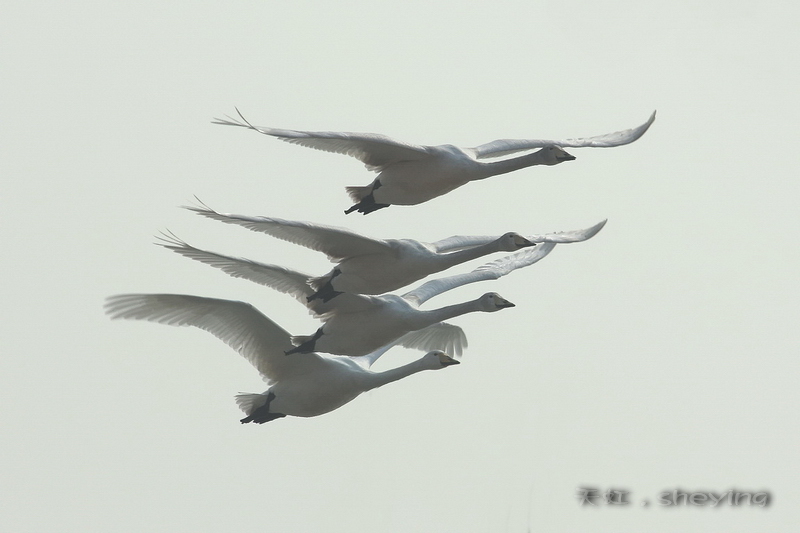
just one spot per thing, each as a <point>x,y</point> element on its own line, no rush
<point>326,292</point>
<point>307,346</point>
<point>262,414</point>
<point>301,348</point>
<point>366,208</point>
<point>261,418</point>
<point>367,204</point>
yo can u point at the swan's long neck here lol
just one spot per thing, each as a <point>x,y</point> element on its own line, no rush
<point>379,379</point>
<point>505,166</point>
<point>445,313</point>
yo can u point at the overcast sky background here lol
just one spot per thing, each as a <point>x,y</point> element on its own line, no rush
<point>661,354</point>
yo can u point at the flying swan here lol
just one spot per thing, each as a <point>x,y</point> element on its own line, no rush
<point>410,174</point>
<point>357,324</point>
<point>305,385</point>
<point>377,266</point>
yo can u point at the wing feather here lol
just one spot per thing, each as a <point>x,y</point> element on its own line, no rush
<point>276,277</point>
<point>282,279</point>
<point>492,270</point>
<point>503,147</point>
<point>336,243</point>
<point>238,324</point>
<point>441,336</point>
<point>376,151</point>
<point>460,242</point>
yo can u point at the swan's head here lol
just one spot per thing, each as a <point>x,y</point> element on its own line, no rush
<point>437,359</point>
<point>511,242</point>
<point>553,155</point>
<point>491,302</point>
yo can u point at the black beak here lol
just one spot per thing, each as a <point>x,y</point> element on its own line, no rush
<point>451,362</point>
<point>507,304</point>
<point>566,157</point>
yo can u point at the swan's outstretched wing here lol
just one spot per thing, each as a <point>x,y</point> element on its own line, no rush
<point>509,146</point>
<point>281,279</point>
<point>444,336</point>
<point>238,324</point>
<point>492,270</point>
<point>374,150</point>
<point>569,236</point>
<point>336,243</point>
<point>441,336</point>
<point>452,244</point>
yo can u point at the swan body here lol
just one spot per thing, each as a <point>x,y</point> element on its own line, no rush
<point>304,385</point>
<point>357,324</point>
<point>445,169</point>
<point>377,266</point>
<point>384,319</point>
<point>410,174</point>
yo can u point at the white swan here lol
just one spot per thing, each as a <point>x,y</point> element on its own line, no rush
<point>357,324</point>
<point>377,266</point>
<point>303,385</point>
<point>410,174</point>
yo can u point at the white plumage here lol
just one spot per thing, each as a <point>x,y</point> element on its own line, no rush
<point>302,385</point>
<point>357,324</point>
<point>376,266</point>
<point>410,174</point>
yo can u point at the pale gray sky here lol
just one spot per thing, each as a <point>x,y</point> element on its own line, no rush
<point>661,354</point>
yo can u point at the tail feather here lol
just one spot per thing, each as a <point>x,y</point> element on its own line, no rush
<point>298,340</point>
<point>358,193</point>
<point>319,282</point>
<point>249,402</point>
<point>256,407</point>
